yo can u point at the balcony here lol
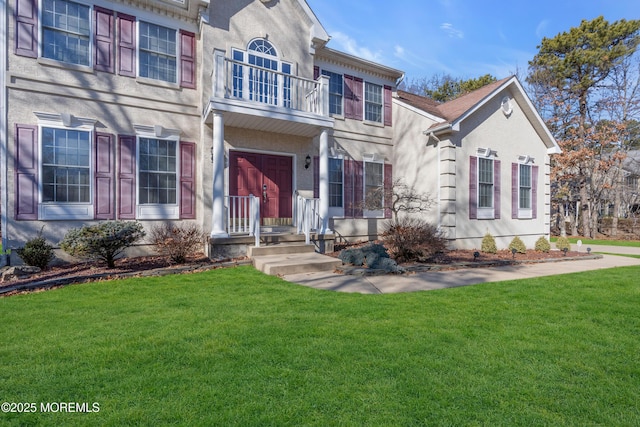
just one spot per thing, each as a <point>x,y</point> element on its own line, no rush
<point>253,97</point>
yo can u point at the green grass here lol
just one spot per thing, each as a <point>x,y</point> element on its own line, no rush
<point>235,347</point>
<point>626,255</point>
<point>628,243</point>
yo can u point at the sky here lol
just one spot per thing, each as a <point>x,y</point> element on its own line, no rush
<point>462,38</point>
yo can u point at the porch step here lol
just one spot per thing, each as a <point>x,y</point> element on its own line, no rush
<point>282,264</point>
<point>280,249</point>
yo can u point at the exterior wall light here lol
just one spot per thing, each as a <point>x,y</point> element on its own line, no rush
<point>307,162</point>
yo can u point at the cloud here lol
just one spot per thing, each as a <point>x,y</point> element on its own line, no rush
<point>351,46</point>
<point>541,29</point>
<point>451,30</point>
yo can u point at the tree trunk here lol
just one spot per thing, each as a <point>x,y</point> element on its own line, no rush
<point>616,205</point>
<point>584,208</point>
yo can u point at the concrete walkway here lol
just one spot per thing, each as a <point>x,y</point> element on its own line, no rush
<point>468,276</point>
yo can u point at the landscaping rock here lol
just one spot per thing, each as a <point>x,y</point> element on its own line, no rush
<point>18,272</point>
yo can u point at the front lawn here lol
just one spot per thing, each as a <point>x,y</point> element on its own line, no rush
<point>236,347</point>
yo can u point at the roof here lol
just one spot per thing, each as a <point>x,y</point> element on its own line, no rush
<point>452,113</point>
<point>450,110</point>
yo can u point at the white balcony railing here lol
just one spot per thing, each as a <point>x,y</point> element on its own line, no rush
<point>238,80</point>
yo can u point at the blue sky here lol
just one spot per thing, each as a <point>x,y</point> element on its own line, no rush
<point>463,38</point>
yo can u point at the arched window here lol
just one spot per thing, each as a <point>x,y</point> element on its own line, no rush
<point>265,79</point>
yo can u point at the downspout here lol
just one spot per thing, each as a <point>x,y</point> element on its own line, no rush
<point>4,145</point>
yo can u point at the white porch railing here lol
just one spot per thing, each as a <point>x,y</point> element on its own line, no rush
<point>307,216</point>
<point>243,216</point>
<point>233,79</point>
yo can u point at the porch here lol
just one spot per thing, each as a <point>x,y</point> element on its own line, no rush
<point>247,96</point>
<point>244,231</point>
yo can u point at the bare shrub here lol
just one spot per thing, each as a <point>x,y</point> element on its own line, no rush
<point>413,239</point>
<point>177,241</point>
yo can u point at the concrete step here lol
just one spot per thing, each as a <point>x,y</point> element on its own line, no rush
<point>282,264</point>
<point>279,249</point>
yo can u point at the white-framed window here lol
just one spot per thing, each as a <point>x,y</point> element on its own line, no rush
<point>66,32</point>
<point>336,91</point>
<point>265,79</point>
<point>157,180</point>
<point>336,183</point>
<point>485,183</point>
<point>373,102</point>
<point>525,186</point>
<point>157,52</point>
<point>373,188</point>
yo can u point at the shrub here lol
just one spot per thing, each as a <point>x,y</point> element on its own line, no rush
<point>104,241</point>
<point>489,244</point>
<point>177,241</point>
<point>563,243</point>
<point>36,252</point>
<point>413,239</point>
<point>372,255</point>
<point>543,245</point>
<point>518,245</point>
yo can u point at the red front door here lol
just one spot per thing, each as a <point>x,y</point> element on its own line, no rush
<point>266,176</point>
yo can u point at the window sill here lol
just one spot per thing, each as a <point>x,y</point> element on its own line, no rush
<point>374,124</point>
<point>157,83</point>
<point>158,212</point>
<point>486,213</point>
<point>65,211</point>
<point>525,214</point>
<point>67,66</point>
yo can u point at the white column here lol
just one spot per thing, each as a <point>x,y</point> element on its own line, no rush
<point>218,214</point>
<point>323,175</point>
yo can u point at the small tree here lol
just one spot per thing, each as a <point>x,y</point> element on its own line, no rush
<point>104,241</point>
<point>400,197</point>
<point>177,241</point>
<point>543,245</point>
<point>518,245</point>
<point>413,239</point>
<point>36,252</point>
<point>489,244</point>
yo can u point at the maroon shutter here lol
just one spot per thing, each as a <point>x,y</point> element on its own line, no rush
<point>473,187</point>
<point>316,72</point>
<point>353,107</point>
<point>358,174</point>
<point>534,192</point>
<point>126,45</point>
<point>26,28</point>
<point>514,190</point>
<point>348,188</point>
<point>26,172</point>
<point>316,177</point>
<point>127,177</point>
<point>187,180</point>
<point>104,55</point>
<point>187,60</point>
<point>104,189</point>
<point>388,106</point>
<point>388,190</point>
<point>497,184</point>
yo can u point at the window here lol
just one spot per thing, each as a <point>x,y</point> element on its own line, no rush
<point>525,187</point>
<point>373,102</point>
<point>335,92</point>
<point>373,187</point>
<point>335,183</point>
<point>157,172</point>
<point>66,32</point>
<point>265,79</point>
<point>66,166</point>
<point>485,183</point>
<point>158,52</point>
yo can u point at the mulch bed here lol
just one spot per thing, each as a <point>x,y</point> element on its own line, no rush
<point>57,276</point>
